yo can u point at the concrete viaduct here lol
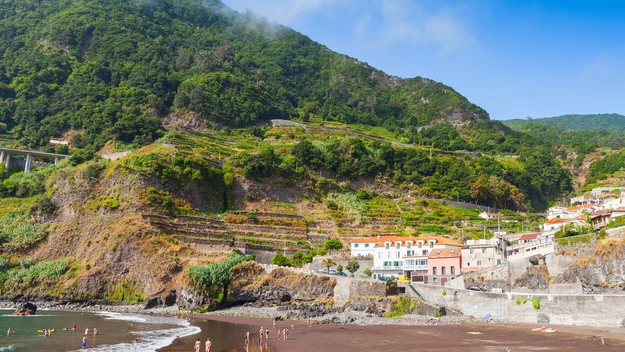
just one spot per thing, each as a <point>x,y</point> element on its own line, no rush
<point>7,156</point>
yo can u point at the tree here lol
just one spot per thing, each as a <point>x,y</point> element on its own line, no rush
<point>333,244</point>
<point>281,260</point>
<point>297,258</point>
<point>328,263</point>
<point>367,272</point>
<point>352,266</point>
<point>339,268</point>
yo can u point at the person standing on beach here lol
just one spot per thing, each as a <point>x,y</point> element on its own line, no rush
<point>198,344</point>
<point>279,335</point>
<point>208,345</point>
<point>274,323</point>
<point>261,332</point>
<point>267,334</point>
<point>247,338</point>
<point>95,331</point>
<point>84,341</point>
<point>309,322</point>
<point>87,331</point>
<point>286,333</point>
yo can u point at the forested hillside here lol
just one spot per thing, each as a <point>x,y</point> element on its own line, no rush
<point>575,122</point>
<point>108,66</point>
<point>93,71</point>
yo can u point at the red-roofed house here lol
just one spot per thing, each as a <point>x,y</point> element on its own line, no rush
<point>401,256</point>
<point>443,265</point>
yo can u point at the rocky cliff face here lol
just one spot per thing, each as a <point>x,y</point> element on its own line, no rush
<point>600,268</point>
<point>250,283</point>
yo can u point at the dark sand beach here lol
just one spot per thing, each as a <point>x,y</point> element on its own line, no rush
<point>449,338</point>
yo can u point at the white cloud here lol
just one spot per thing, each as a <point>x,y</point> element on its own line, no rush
<point>605,66</point>
<point>281,11</point>
<point>405,22</point>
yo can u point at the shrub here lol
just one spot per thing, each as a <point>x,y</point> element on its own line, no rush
<point>536,303</point>
<point>352,266</point>
<point>333,244</point>
<point>437,315</point>
<point>444,293</point>
<point>394,314</point>
<point>281,260</point>
<point>213,280</point>
<point>367,272</point>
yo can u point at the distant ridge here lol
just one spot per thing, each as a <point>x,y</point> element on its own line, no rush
<point>575,122</point>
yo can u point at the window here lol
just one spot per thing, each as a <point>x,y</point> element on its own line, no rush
<point>443,271</point>
<point>453,270</point>
<point>434,271</point>
<point>409,253</point>
<point>479,262</point>
<point>397,255</point>
<point>434,279</point>
<point>387,245</point>
<point>420,244</point>
<point>408,244</point>
<point>366,245</point>
<point>468,264</point>
<point>432,243</point>
<point>425,252</point>
<point>356,245</point>
<point>483,250</point>
<point>398,245</point>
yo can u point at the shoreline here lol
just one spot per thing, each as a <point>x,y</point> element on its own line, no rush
<point>358,330</point>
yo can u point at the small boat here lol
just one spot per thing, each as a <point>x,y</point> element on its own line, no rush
<point>475,333</point>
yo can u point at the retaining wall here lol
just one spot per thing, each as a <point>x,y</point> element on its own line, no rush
<point>585,310</point>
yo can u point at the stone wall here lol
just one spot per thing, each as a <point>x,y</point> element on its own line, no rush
<point>365,288</point>
<point>587,310</point>
<point>489,278</point>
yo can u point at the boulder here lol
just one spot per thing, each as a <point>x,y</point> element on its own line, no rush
<point>26,309</point>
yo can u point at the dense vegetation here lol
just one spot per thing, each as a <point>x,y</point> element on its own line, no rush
<point>576,122</point>
<point>603,168</point>
<point>110,68</point>
<point>582,132</point>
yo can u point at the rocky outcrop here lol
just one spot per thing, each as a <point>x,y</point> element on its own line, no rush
<point>165,298</point>
<point>26,309</point>
<point>280,286</point>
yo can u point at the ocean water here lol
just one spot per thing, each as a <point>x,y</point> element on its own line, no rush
<point>116,332</point>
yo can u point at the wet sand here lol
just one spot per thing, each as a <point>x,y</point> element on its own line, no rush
<point>449,338</point>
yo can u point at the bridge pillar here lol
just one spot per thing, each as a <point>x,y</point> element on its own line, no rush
<point>28,162</point>
<point>7,162</point>
<point>56,160</point>
<point>2,156</point>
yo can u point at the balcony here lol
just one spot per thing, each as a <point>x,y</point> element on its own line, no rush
<point>415,267</point>
<point>390,267</point>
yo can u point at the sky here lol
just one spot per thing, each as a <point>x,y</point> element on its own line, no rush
<point>516,59</point>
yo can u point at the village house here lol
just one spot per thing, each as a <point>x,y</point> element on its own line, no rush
<point>481,254</point>
<point>397,256</point>
<point>444,264</point>
<point>530,244</point>
<point>487,216</point>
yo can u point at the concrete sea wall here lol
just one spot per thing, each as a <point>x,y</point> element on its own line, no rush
<point>586,310</point>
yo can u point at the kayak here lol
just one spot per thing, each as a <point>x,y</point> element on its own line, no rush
<point>549,330</point>
<point>51,330</point>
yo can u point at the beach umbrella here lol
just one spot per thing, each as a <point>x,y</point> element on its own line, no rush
<point>487,316</point>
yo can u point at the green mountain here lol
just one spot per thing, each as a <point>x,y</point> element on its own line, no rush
<point>590,122</point>
<point>110,67</point>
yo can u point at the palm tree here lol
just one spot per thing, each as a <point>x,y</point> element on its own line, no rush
<point>328,263</point>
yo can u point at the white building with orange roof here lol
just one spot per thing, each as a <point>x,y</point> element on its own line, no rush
<point>404,256</point>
